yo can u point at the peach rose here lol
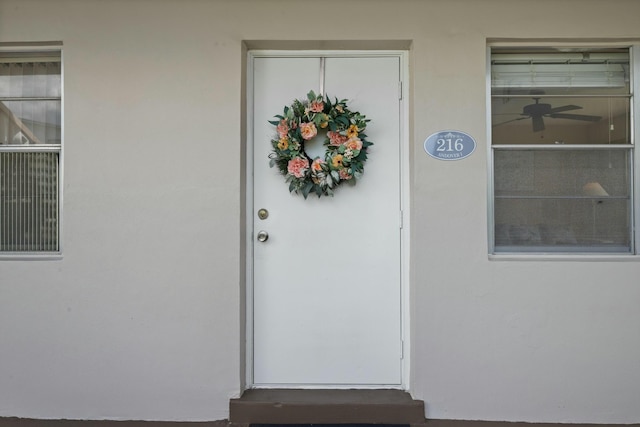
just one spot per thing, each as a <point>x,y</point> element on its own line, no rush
<point>336,139</point>
<point>354,144</point>
<point>283,128</point>
<point>308,130</point>
<point>345,175</point>
<point>298,166</point>
<point>316,165</point>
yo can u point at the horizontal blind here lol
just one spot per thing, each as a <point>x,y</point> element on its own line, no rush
<point>586,70</point>
<point>29,201</point>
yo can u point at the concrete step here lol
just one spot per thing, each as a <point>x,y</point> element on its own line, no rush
<point>288,406</point>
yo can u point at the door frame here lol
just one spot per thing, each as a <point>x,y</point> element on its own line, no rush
<point>404,220</point>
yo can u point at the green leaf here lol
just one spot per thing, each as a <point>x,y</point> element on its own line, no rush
<point>343,120</point>
<point>274,122</point>
<point>290,114</point>
<point>311,96</point>
<point>307,189</point>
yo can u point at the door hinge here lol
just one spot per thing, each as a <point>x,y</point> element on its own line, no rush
<point>401,219</point>
<point>401,349</point>
<point>400,90</point>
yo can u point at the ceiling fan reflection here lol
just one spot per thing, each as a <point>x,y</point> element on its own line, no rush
<point>537,112</point>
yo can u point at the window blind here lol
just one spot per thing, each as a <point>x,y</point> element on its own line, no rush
<point>560,70</point>
<point>29,186</point>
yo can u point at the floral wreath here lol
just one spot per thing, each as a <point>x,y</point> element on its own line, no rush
<point>346,145</point>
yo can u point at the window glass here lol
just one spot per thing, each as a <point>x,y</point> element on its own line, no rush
<point>562,200</point>
<point>562,151</point>
<point>561,120</point>
<point>30,152</point>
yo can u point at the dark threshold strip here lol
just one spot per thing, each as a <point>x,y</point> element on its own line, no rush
<point>329,425</point>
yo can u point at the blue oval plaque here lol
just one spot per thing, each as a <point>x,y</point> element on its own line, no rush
<point>450,145</point>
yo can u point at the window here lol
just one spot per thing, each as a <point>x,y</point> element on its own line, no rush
<point>30,152</point>
<point>562,151</point>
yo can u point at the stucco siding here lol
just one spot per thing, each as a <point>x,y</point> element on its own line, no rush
<point>142,317</point>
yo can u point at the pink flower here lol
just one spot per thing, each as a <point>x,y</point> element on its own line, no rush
<point>316,106</point>
<point>298,166</point>
<point>344,174</point>
<point>336,139</point>
<point>283,128</point>
<point>308,130</point>
<point>354,144</point>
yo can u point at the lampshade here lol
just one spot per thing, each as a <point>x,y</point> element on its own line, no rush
<point>594,189</point>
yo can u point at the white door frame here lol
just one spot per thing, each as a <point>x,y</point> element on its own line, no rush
<point>403,91</point>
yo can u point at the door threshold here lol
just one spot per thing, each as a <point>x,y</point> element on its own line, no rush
<point>324,406</point>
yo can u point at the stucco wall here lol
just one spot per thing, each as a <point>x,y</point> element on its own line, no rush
<point>141,319</point>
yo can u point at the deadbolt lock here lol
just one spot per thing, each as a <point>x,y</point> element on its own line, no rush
<point>263,213</point>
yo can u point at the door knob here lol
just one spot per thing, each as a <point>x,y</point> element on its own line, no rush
<point>263,236</point>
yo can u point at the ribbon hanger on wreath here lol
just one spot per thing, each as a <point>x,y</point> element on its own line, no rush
<point>322,62</point>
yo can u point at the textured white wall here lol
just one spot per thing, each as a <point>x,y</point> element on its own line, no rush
<point>141,319</point>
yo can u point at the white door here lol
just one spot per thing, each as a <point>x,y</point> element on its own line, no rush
<point>326,283</point>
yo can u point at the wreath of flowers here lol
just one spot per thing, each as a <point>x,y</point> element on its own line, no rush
<point>345,142</point>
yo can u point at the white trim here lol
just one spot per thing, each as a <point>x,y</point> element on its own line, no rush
<point>267,386</point>
<point>634,51</point>
<point>579,257</point>
<point>323,53</point>
<point>61,165</point>
<point>489,147</point>
<point>248,342</point>
<point>405,233</point>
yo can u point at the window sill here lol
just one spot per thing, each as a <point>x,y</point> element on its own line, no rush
<point>16,256</point>
<point>565,257</point>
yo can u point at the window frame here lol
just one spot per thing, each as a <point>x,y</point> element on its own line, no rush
<point>634,180</point>
<point>33,49</point>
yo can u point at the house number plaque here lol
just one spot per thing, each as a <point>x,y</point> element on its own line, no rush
<point>450,145</point>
